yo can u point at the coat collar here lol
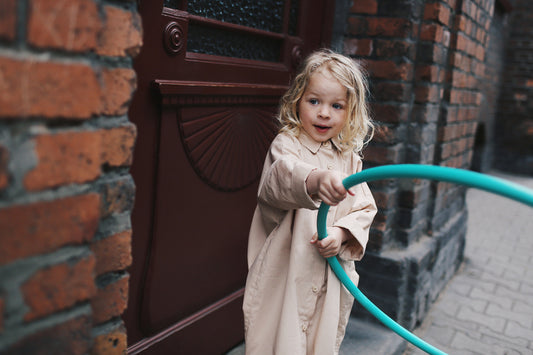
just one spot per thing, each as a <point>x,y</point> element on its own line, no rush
<point>313,145</point>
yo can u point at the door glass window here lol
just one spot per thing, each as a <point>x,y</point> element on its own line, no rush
<point>216,41</point>
<point>211,32</point>
<point>264,15</point>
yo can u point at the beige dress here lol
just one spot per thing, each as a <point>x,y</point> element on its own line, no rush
<point>293,303</point>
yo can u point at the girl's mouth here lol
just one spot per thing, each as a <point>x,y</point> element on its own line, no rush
<point>321,129</point>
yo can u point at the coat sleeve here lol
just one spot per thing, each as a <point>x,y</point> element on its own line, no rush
<point>358,221</point>
<point>284,175</point>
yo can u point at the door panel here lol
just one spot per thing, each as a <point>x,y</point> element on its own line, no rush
<point>209,83</point>
<point>210,154</point>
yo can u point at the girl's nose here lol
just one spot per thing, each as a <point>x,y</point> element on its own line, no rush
<point>323,111</point>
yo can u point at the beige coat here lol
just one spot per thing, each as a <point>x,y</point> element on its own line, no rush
<point>293,303</point>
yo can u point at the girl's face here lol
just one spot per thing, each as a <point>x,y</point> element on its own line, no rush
<point>322,108</point>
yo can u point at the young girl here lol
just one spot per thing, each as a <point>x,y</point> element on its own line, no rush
<point>293,303</point>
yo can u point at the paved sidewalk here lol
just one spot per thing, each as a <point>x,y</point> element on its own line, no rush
<point>487,308</point>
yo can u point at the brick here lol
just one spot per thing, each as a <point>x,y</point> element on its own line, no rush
<point>392,48</point>
<point>480,53</point>
<point>365,7</point>
<point>480,35</point>
<point>72,337</point>
<point>385,134</point>
<point>357,26</point>
<point>468,114</point>
<point>451,3</point>
<point>113,253</point>
<point>462,62</point>
<point>428,93</point>
<point>382,155</point>
<point>117,195</point>
<point>429,73</point>
<point>380,226</point>
<point>466,7</point>
<point>432,53</point>
<point>110,300</point>
<point>425,112</point>
<point>432,32</point>
<point>48,89</point>
<point>65,158</point>
<point>8,19</point>
<point>69,25</point>
<point>469,26</point>
<point>459,79</point>
<point>447,133</point>
<point>117,89</point>
<point>112,343</point>
<point>122,33</point>
<point>463,97</point>
<point>470,128</point>
<point>387,91</point>
<point>446,151</point>
<point>479,71</point>
<point>390,113</point>
<point>463,43</point>
<point>356,46</point>
<point>384,199</point>
<point>461,23</point>
<point>399,8</point>
<point>437,12</point>
<point>387,69</point>
<point>4,174</point>
<point>412,198</point>
<point>43,227</point>
<point>59,287</point>
<point>446,38</point>
<point>117,145</point>
<point>389,27</point>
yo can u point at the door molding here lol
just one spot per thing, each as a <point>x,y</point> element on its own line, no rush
<point>146,343</point>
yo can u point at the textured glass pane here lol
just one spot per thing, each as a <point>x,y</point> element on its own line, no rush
<point>293,18</point>
<point>173,4</point>
<point>261,14</point>
<point>202,39</point>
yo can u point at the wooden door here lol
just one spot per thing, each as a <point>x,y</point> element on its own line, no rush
<point>210,76</point>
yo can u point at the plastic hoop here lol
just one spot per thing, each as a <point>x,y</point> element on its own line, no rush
<point>431,172</point>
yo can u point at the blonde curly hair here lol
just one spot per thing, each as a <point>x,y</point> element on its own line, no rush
<point>359,128</point>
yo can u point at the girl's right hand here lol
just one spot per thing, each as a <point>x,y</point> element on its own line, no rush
<point>327,185</point>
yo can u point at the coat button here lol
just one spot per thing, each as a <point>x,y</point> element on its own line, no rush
<point>304,328</point>
<point>315,289</point>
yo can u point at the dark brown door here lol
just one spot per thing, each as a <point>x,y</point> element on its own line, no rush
<point>210,76</point>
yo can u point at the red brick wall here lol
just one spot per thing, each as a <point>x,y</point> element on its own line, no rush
<point>425,59</point>
<point>66,194</point>
<point>460,110</point>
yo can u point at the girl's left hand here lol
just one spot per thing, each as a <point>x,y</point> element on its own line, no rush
<point>331,245</point>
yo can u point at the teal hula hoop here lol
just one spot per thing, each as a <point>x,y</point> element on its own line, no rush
<point>431,172</point>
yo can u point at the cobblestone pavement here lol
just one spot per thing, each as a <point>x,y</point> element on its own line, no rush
<point>487,308</point>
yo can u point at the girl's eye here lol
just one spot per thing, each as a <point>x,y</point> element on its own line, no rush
<point>337,106</point>
<point>313,101</point>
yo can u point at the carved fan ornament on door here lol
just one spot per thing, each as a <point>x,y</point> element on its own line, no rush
<point>226,146</point>
<point>225,129</point>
